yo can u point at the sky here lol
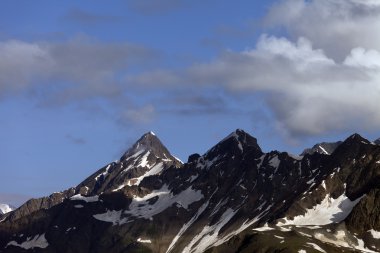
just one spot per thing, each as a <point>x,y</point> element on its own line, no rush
<point>81,81</point>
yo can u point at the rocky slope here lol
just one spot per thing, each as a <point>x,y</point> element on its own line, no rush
<point>233,198</point>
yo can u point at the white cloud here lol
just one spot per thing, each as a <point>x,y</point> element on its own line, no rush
<point>308,92</point>
<point>360,57</point>
<point>336,26</point>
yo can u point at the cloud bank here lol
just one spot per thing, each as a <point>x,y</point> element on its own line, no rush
<point>336,26</point>
<point>308,92</point>
<point>322,75</point>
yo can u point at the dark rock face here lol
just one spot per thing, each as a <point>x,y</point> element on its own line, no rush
<point>377,141</point>
<point>366,215</point>
<point>325,148</point>
<point>150,202</point>
<point>34,205</point>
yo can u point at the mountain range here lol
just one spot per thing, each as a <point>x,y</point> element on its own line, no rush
<point>233,198</point>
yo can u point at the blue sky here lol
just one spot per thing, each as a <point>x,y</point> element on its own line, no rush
<point>80,81</point>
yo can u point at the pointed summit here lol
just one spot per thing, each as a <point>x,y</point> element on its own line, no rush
<point>237,142</point>
<point>147,157</point>
<point>151,143</point>
<point>351,145</point>
<point>356,138</point>
<point>242,139</point>
<point>377,142</point>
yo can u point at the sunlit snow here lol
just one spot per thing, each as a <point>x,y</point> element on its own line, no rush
<point>141,208</point>
<point>316,247</point>
<point>330,210</point>
<point>144,241</point>
<point>85,198</point>
<point>375,234</point>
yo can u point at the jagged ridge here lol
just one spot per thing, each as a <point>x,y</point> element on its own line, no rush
<point>214,201</point>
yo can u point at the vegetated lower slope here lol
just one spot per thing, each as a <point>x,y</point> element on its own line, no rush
<point>233,198</point>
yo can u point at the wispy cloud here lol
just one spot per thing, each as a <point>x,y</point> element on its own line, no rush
<point>139,115</point>
<point>75,69</point>
<point>76,140</point>
<point>153,7</point>
<point>85,17</point>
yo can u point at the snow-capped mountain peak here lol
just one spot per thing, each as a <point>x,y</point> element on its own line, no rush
<point>149,142</point>
<point>147,157</point>
<point>232,197</point>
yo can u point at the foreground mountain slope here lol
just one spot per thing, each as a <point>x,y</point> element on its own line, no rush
<point>220,201</point>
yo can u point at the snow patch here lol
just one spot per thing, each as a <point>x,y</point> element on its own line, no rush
<point>209,234</point>
<point>330,210</point>
<point>144,160</point>
<point>179,160</point>
<point>38,241</point>
<point>323,150</point>
<point>261,160</point>
<point>316,247</point>
<point>85,198</point>
<point>69,229</point>
<point>375,234</point>
<point>119,187</point>
<point>264,228</point>
<point>104,173</point>
<point>311,181</point>
<point>156,169</point>
<point>144,241</point>
<point>141,208</point>
<point>324,184</point>
<point>186,226</point>
<point>274,162</point>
